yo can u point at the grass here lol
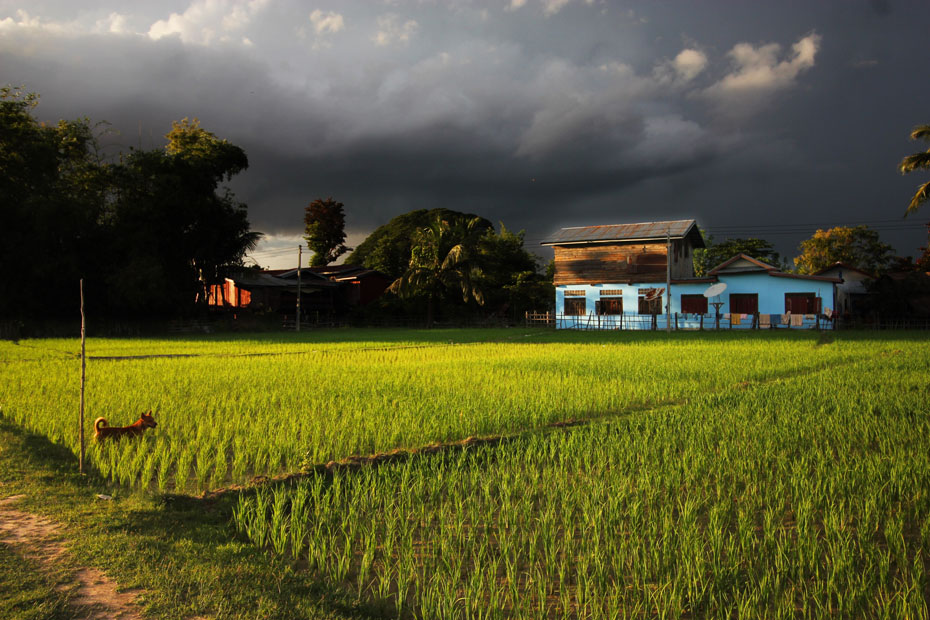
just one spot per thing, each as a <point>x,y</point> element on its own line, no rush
<point>27,591</point>
<point>802,497</point>
<point>279,403</point>
<point>722,475</point>
<point>181,552</point>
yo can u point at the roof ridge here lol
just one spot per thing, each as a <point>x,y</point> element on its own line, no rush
<point>629,224</point>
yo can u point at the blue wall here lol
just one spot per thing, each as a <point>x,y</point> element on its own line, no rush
<point>770,289</point>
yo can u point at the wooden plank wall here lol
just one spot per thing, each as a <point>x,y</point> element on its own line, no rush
<point>620,263</point>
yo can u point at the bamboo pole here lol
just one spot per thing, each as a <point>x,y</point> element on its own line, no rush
<point>83,378</point>
<point>300,250</point>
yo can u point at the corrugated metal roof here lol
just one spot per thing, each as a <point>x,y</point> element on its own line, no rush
<point>676,229</point>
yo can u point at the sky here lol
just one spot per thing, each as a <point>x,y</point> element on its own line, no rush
<point>757,119</point>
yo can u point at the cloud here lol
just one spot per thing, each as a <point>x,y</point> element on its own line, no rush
<point>608,114</point>
<point>550,7</point>
<point>391,30</point>
<point>758,72</point>
<point>687,65</point>
<point>329,22</point>
<point>26,22</point>
<point>115,23</point>
<point>207,21</point>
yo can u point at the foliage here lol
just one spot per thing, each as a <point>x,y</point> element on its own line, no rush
<point>443,257</point>
<point>923,261</point>
<point>509,276</point>
<point>324,225</point>
<point>173,225</point>
<point>707,258</point>
<point>387,248</point>
<point>53,190</point>
<point>917,161</point>
<point>150,233</point>
<point>857,246</point>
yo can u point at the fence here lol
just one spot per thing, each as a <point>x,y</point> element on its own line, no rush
<point>681,321</point>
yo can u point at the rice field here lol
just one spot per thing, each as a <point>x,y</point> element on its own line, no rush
<point>717,475</point>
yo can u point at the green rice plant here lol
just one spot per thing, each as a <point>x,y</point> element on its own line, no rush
<point>279,525</point>
<point>705,509</point>
<point>389,398</point>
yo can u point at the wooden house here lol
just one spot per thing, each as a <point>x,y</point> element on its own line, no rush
<point>625,252</point>
<point>641,276</point>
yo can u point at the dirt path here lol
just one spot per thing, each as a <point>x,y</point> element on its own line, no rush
<point>38,538</point>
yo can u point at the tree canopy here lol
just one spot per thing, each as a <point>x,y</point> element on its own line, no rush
<point>458,265</point>
<point>858,246</point>
<point>707,258</point>
<point>443,258</point>
<point>917,161</point>
<point>387,248</point>
<point>149,232</point>
<point>324,228</point>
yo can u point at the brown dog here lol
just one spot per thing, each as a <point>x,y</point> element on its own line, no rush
<point>103,431</point>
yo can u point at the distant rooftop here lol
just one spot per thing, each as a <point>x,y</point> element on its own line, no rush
<point>644,231</point>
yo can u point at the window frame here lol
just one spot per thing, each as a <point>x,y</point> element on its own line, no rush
<point>812,303</point>
<point>740,308</point>
<point>692,297</point>
<point>612,300</point>
<point>576,303</point>
<point>646,307</point>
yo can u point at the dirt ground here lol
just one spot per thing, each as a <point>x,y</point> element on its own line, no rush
<point>38,538</point>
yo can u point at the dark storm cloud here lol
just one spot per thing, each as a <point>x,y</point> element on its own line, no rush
<point>541,114</point>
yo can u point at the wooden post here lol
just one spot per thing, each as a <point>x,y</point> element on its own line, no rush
<point>83,376</point>
<point>668,282</point>
<point>300,249</point>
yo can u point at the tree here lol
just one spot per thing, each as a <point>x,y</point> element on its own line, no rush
<point>149,233</point>
<point>387,248</point>
<point>509,274</point>
<point>176,230</point>
<point>443,256</point>
<point>707,258</point>
<point>52,208</point>
<point>917,161</point>
<point>858,246</point>
<point>324,224</point>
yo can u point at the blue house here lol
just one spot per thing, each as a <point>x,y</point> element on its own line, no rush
<point>641,276</point>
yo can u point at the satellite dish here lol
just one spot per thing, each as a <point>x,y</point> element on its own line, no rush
<point>715,289</point>
<point>654,294</point>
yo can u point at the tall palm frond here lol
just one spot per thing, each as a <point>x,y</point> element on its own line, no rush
<point>917,161</point>
<point>442,257</point>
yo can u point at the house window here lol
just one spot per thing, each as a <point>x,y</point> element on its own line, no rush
<point>802,303</point>
<point>649,302</point>
<point>744,303</point>
<point>610,305</point>
<point>575,306</point>
<point>694,304</point>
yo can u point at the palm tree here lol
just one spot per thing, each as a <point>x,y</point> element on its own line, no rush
<point>442,257</point>
<point>917,161</point>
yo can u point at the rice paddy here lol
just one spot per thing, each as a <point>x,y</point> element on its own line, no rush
<point>760,475</point>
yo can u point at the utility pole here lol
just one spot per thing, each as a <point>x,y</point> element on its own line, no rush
<point>668,281</point>
<point>83,374</point>
<point>300,250</point>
